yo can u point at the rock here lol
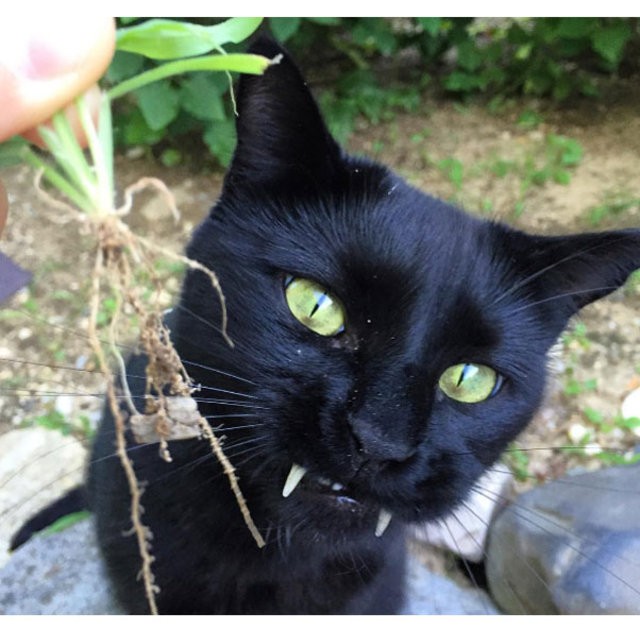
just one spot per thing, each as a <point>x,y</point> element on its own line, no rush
<point>464,533</point>
<point>63,574</point>
<point>57,574</point>
<point>570,547</point>
<point>37,466</point>
<point>434,594</point>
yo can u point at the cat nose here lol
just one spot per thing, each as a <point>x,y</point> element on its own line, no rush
<point>379,444</point>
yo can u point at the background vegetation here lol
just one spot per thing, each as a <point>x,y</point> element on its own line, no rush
<point>373,67</point>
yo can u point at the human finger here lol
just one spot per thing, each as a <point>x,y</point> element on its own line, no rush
<point>46,62</point>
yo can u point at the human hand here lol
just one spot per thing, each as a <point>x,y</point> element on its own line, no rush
<point>44,65</point>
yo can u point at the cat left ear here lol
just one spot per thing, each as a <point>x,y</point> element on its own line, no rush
<point>281,134</point>
<point>574,271</point>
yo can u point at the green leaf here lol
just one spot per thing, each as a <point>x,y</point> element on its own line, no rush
<point>220,137</point>
<point>562,177</point>
<point>464,82</point>
<point>325,21</point>
<point>469,57</point>
<point>136,131</point>
<point>431,25</point>
<point>201,95</point>
<point>65,522</point>
<point>284,27</point>
<point>575,27</point>
<point>164,39</point>
<point>529,119</point>
<point>234,30</point>
<point>12,151</point>
<point>374,33</point>
<point>609,42</point>
<point>172,39</point>
<point>124,65</point>
<point>159,104</point>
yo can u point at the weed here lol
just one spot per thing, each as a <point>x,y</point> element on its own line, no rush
<point>453,169</point>
<point>578,335</point>
<point>612,206</point>
<point>530,119</point>
<point>575,387</point>
<point>518,462</point>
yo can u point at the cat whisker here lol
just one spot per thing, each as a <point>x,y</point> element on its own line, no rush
<point>223,428</point>
<point>202,387</point>
<point>202,320</point>
<point>530,278</point>
<point>465,562</point>
<point>572,483</point>
<point>191,363</point>
<point>484,555</point>
<point>520,509</point>
<point>586,291</point>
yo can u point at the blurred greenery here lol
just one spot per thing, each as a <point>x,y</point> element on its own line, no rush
<point>350,61</point>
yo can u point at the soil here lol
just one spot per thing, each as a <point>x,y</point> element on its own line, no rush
<point>45,361</point>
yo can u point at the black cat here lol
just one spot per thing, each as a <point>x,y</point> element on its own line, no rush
<point>387,347</point>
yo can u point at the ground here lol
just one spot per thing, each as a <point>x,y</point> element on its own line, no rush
<point>540,168</point>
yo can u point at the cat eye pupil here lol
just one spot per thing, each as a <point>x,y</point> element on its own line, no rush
<point>470,383</point>
<point>321,299</point>
<point>314,306</point>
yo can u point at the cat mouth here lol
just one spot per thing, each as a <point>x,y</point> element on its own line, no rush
<point>334,493</point>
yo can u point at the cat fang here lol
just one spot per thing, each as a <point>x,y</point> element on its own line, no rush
<point>296,475</point>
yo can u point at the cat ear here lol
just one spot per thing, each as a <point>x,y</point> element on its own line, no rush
<point>571,272</point>
<point>281,134</point>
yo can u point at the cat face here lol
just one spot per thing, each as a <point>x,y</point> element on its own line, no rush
<point>392,345</point>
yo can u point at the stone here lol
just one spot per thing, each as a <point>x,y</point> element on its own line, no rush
<point>434,594</point>
<point>57,574</point>
<point>63,574</point>
<point>37,466</point>
<point>570,547</point>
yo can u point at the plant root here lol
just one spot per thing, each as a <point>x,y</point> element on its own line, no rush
<point>169,412</point>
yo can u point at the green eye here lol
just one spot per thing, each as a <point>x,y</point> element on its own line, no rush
<point>314,306</point>
<point>469,383</point>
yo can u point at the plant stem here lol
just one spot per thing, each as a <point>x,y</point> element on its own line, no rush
<point>249,64</point>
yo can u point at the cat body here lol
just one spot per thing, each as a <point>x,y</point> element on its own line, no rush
<point>366,412</point>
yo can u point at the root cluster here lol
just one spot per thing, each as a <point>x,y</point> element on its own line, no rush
<point>169,412</point>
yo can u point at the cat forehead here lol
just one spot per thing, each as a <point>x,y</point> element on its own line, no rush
<point>376,229</point>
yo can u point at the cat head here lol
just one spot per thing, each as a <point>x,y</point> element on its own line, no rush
<point>391,344</point>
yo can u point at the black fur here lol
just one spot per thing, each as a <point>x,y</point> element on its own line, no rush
<point>424,285</point>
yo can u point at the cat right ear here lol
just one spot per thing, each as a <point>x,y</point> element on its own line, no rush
<point>281,134</point>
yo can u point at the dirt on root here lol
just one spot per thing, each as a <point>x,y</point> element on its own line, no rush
<point>481,160</point>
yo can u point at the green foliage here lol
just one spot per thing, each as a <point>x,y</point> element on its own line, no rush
<point>453,169</point>
<point>57,421</point>
<point>548,57</point>
<point>65,522</point>
<point>574,387</point>
<point>517,461</point>
<point>358,93</point>
<point>613,205</point>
